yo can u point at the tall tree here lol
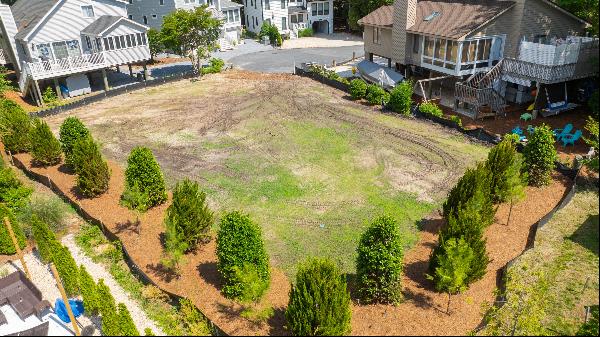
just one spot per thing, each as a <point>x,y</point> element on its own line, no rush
<point>585,9</point>
<point>360,8</point>
<point>192,34</point>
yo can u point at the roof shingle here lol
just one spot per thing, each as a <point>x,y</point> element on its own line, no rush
<point>27,13</point>
<point>382,16</point>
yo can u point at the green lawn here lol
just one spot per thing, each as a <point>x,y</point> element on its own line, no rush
<point>311,167</point>
<point>549,286</point>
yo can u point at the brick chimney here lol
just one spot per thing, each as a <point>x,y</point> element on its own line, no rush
<point>405,12</point>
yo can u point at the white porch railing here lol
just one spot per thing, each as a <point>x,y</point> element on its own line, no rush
<point>2,57</point>
<point>69,65</point>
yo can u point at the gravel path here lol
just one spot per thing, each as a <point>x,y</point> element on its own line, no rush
<point>99,272</point>
<point>42,278</point>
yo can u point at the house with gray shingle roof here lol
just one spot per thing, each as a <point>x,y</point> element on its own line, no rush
<point>152,13</point>
<point>497,51</point>
<point>59,42</point>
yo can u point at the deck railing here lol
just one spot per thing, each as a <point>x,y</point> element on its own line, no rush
<point>69,65</point>
<point>479,97</point>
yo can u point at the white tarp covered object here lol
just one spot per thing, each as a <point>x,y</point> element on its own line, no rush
<point>375,73</point>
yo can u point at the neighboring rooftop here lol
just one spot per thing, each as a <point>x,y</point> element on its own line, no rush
<point>229,4</point>
<point>28,13</point>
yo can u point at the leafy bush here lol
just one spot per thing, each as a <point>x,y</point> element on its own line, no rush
<point>92,170</point>
<point>379,262</point>
<point>88,291</point>
<point>5,85</point>
<point>45,148</point>
<point>430,108</point>
<point>306,32</point>
<point>216,65</point>
<point>49,96</point>
<point>327,73</point>
<point>592,127</point>
<point>188,218</point>
<point>193,320</point>
<point>504,165</point>
<point>401,98</point>
<point>15,126</point>
<point>67,269</point>
<point>6,244</point>
<point>44,238</point>
<point>456,120</point>
<point>126,324</point>
<point>48,208</point>
<point>272,32</point>
<point>319,303</point>
<point>13,193</point>
<point>472,190</point>
<point>143,170</point>
<point>240,247</point>
<point>376,95</point>
<point>358,88</point>
<point>540,155</point>
<point>134,198</point>
<point>71,130</point>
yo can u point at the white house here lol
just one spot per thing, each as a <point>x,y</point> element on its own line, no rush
<point>152,13</point>
<point>290,16</point>
<point>62,41</point>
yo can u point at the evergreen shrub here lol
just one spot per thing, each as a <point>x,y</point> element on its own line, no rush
<point>376,95</point>
<point>71,130</point>
<point>45,148</point>
<point>540,155</point>
<point>6,244</point>
<point>92,170</point>
<point>15,127</point>
<point>358,88</point>
<point>143,170</point>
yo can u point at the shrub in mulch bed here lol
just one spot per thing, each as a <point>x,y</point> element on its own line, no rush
<point>15,126</point>
<point>540,155</point>
<point>243,260</point>
<point>92,170</point>
<point>401,98</point>
<point>13,193</point>
<point>376,95</point>
<point>6,244</point>
<point>379,262</point>
<point>319,301</point>
<point>358,88</point>
<point>144,172</point>
<point>45,148</point>
<point>67,270</point>
<point>71,130</point>
<point>504,165</point>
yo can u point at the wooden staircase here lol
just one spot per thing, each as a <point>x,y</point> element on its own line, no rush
<point>478,96</point>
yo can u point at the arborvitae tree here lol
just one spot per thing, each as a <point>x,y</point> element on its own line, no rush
<point>379,262</point>
<point>126,324</point>
<point>15,127</point>
<point>540,155</point>
<point>319,302</point>
<point>453,269</point>
<point>13,193</point>
<point>92,170</point>
<point>143,170</point>
<point>45,148</point>
<point>401,98</point>
<point>71,130</point>
<point>67,270</point>
<point>358,88</point>
<point>500,163</point>
<point>473,188</point>
<point>466,225</point>
<point>108,310</point>
<point>243,260</point>
<point>88,291</point>
<point>45,239</point>
<point>188,218</point>
<point>6,244</point>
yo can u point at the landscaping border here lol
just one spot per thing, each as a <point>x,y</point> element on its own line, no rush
<point>110,93</point>
<point>135,270</point>
<point>319,78</point>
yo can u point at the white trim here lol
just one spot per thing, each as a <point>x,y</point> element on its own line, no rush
<point>126,19</point>
<point>44,18</point>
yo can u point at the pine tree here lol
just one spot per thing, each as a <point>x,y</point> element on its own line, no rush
<point>126,324</point>
<point>501,163</point>
<point>453,268</point>
<point>379,262</point>
<point>88,291</point>
<point>92,170</point>
<point>71,130</point>
<point>319,303</point>
<point>540,155</point>
<point>45,239</point>
<point>45,148</point>
<point>143,170</point>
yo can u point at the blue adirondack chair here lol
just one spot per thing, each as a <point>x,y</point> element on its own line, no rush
<point>571,138</point>
<point>517,131</point>
<point>559,133</point>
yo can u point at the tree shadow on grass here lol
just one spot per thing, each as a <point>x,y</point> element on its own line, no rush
<point>208,272</point>
<point>587,234</point>
<point>163,272</point>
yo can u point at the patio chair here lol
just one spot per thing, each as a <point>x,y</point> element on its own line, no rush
<point>571,138</point>
<point>559,133</point>
<point>530,129</point>
<point>517,131</point>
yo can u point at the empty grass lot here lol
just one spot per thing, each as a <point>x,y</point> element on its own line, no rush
<point>311,167</point>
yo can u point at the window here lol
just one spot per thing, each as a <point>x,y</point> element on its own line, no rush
<point>267,4</point>
<point>64,49</point>
<point>118,42</point>
<point>432,16</point>
<point>416,43</point>
<point>376,33</point>
<point>284,23</point>
<point>122,38</point>
<point>44,52</point>
<point>128,39</point>
<point>106,44</point>
<point>130,17</point>
<point>139,39</point>
<point>87,11</point>
<point>111,43</point>
<point>88,42</point>
<point>236,14</point>
<point>293,18</point>
<point>326,8</point>
<point>161,2</point>
<point>282,3</point>
<point>145,20</point>
<point>320,7</point>
<point>230,16</point>
<point>313,8</point>
<point>300,17</point>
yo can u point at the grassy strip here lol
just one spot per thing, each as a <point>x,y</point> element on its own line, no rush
<point>549,286</point>
<point>183,319</point>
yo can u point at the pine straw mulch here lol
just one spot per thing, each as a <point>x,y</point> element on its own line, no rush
<point>422,312</point>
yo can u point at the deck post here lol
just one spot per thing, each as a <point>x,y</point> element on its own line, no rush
<point>57,88</point>
<point>118,69</point>
<point>38,92</point>
<point>130,69</point>
<point>145,71</point>
<point>105,79</point>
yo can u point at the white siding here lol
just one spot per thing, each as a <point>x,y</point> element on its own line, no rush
<point>8,29</point>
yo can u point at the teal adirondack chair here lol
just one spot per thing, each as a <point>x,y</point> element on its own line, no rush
<point>559,133</point>
<point>571,138</point>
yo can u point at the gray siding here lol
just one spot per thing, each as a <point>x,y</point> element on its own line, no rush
<point>384,47</point>
<point>138,8</point>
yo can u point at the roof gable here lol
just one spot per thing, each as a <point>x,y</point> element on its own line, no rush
<point>382,16</point>
<point>28,13</point>
<point>106,22</point>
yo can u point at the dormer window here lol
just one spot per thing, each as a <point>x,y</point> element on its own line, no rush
<point>87,11</point>
<point>432,16</point>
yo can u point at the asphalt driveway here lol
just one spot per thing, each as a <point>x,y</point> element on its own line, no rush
<point>282,60</point>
